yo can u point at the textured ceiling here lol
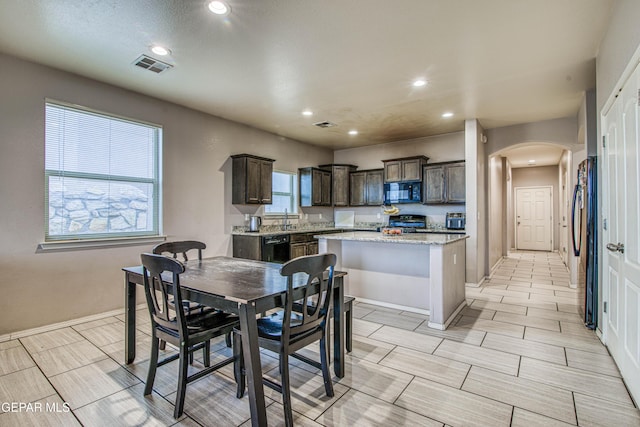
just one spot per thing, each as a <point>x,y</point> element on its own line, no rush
<point>352,62</point>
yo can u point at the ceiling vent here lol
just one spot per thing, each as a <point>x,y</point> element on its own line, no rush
<point>324,124</point>
<point>151,64</point>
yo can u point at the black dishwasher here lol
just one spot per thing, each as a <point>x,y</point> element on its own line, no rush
<point>275,248</point>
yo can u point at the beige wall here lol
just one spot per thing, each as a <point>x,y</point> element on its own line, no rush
<point>496,208</point>
<point>43,288</point>
<point>538,177</point>
<point>476,206</point>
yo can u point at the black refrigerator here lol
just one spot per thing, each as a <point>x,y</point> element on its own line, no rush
<point>584,233</point>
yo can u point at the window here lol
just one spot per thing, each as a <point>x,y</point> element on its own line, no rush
<point>284,194</point>
<point>101,175</point>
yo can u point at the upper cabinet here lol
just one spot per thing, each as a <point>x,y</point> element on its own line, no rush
<point>315,187</point>
<point>340,183</point>
<point>404,169</point>
<point>367,188</point>
<point>251,181</point>
<point>444,183</point>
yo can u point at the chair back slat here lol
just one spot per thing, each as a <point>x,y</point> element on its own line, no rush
<point>180,247</point>
<point>313,276</point>
<point>157,294</point>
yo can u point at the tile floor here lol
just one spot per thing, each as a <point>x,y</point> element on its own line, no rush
<point>516,355</point>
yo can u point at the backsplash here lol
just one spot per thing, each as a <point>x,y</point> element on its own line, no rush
<point>308,226</point>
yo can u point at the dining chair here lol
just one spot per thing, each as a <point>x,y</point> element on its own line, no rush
<point>187,331</point>
<point>182,247</point>
<point>287,331</point>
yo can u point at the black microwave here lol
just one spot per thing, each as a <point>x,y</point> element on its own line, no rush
<point>403,192</point>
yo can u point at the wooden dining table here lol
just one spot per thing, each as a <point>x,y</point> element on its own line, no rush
<point>246,288</point>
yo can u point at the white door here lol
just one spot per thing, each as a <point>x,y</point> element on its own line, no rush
<point>533,218</point>
<point>621,234</point>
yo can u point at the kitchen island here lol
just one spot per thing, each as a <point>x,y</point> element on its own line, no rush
<point>419,272</point>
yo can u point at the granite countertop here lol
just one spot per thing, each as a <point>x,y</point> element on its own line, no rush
<point>407,238</point>
<point>273,232</point>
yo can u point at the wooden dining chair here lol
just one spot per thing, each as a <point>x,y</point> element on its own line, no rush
<point>188,331</point>
<point>287,331</point>
<point>182,247</point>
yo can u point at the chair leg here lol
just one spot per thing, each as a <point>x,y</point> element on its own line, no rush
<point>182,380</point>
<point>153,365</point>
<point>163,344</point>
<point>324,361</point>
<point>206,354</point>
<point>238,365</point>
<point>286,389</point>
<point>349,326</point>
<point>227,339</point>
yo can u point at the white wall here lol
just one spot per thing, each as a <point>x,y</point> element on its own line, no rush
<point>43,288</point>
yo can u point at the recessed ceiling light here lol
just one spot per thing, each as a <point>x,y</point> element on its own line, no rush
<point>531,162</point>
<point>447,115</point>
<point>353,132</point>
<point>307,113</point>
<point>219,7</point>
<point>419,83</point>
<point>160,50</point>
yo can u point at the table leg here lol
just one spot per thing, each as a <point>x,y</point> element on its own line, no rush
<point>252,364</point>
<point>129,320</point>
<point>338,327</point>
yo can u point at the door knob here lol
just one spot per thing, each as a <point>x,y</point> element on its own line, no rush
<point>616,248</point>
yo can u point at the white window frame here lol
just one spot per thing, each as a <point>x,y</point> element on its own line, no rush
<point>293,196</point>
<point>109,238</point>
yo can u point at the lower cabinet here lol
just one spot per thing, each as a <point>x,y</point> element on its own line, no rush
<point>302,244</point>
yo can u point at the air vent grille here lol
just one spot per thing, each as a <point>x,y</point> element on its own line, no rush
<point>151,64</point>
<point>325,124</point>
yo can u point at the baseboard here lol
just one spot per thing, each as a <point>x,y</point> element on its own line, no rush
<point>65,324</point>
<point>394,306</point>
<point>444,326</point>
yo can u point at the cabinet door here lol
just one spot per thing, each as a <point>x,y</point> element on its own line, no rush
<point>433,185</point>
<point>266,177</point>
<point>340,193</point>
<point>325,196</point>
<point>412,170</point>
<point>254,176</point>
<point>357,183</point>
<point>393,171</point>
<point>297,250</point>
<point>316,187</point>
<point>312,248</point>
<point>455,183</point>
<point>375,188</point>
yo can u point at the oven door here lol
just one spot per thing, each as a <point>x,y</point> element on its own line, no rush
<point>275,248</point>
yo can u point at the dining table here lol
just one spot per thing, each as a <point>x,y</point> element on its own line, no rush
<point>247,288</point>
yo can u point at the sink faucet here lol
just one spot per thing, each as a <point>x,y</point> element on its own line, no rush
<point>285,224</point>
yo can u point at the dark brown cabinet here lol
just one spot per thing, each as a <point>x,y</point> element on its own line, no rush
<point>339,183</point>
<point>444,183</point>
<point>405,169</point>
<point>314,187</point>
<point>302,244</point>
<point>251,180</point>
<point>366,187</point>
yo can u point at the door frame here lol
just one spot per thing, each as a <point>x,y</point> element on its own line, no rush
<point>515,213</point>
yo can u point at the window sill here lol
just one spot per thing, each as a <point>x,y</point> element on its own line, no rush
<point>70,245</point>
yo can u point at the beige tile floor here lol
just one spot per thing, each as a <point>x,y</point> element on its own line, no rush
<point>516,355</point>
